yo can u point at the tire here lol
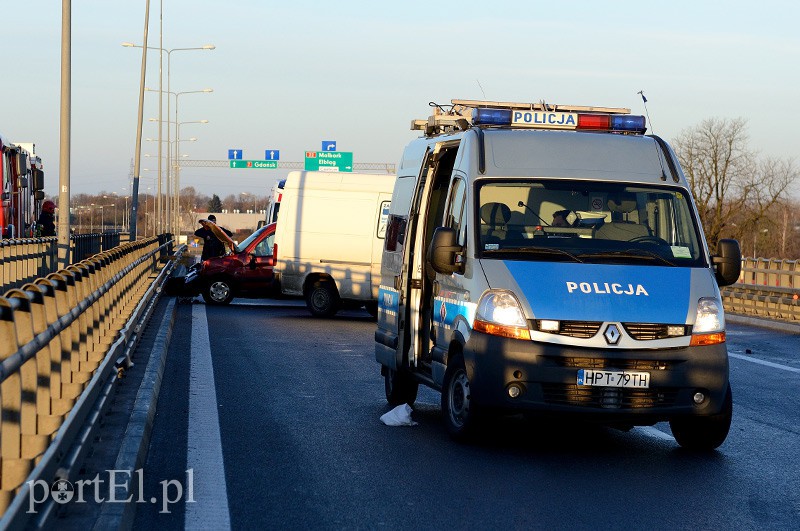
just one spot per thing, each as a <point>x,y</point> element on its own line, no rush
<point>401,387</point>
<point>704,433</point>
<point>218,291</point>
<point>461,416</point>
<point>322,299</point>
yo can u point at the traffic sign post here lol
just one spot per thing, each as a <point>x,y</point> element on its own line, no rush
<point>329,161</point>
<point>259,164</point>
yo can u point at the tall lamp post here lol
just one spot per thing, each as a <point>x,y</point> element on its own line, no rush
<point>161,97</point>
<point>175,167</point>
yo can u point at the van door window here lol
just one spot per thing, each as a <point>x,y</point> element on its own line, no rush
<point>455,212</point>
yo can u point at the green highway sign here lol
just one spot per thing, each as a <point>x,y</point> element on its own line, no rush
<point>263,164</point>
<point>329,161</point>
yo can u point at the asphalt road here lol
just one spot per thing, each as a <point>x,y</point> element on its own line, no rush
<point>297,432</point>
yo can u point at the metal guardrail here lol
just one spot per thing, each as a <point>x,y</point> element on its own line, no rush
<point>768,288</point>
<point>24,260</point>
<point>62,337</point>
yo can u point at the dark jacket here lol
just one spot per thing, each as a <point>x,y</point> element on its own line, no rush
<point>46,224</point>
<point>211,245</point>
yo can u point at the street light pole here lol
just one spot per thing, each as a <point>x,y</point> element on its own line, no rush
<point>161,97</point>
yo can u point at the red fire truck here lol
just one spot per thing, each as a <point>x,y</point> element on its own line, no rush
<point>22,182</point>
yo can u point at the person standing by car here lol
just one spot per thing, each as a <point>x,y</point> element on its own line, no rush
<point>46,224</point>
<point>211,245</point>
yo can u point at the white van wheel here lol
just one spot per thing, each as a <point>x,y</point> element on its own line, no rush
<point>459,411</point>
<point>322,299</point>
<point>704,433</point>
<point>401,388</point>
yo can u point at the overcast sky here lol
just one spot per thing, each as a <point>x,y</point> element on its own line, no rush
<point>288,75</point>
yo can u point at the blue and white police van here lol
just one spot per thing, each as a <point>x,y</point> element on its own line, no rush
<point>549,260</point>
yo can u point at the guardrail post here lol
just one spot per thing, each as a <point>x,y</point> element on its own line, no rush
<point>13,469</point>
<point>33,443</point>
<point>54,287</point>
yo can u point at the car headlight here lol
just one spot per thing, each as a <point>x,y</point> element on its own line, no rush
<point>499,313</point>
<point>709,324</point>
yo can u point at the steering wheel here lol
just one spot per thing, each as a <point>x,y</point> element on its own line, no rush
<point>650,239</point>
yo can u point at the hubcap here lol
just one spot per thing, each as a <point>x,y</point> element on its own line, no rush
<point>459,398</point>
<point>320,298</point>
<point>219,291</point>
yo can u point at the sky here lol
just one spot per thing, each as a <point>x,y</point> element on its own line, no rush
<point>289,75</point>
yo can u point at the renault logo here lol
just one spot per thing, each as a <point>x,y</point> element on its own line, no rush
<point>612,334</point>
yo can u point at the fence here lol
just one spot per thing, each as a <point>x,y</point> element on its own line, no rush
<point>767,288</point>
<point>62,338</point>
<point>24,260</point>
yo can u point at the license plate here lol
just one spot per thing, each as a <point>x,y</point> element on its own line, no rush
<point>595,378</point>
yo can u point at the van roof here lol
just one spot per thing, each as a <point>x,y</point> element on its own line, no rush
<point>464,114</point>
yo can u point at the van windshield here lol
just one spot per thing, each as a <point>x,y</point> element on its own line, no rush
<point>587,221</point>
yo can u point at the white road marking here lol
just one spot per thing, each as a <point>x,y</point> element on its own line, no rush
<point>204,452</point>
<point>765,363</point>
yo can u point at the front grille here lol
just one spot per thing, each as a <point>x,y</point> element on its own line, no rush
<point>607,397</point>
<point>649,331</point>
<point>579,329</point>
<point>606,363</point>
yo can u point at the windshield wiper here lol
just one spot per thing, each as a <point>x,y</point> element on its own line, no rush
<point>632,254</point>
<point>534,250</point>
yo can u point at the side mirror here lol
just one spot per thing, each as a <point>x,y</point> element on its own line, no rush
<point>251,260</point>
<point>443,251</point>
<point>727,262</point>
<point>22,163</point>
<point>37,176</point>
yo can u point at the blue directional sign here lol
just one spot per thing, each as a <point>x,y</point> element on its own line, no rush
<point>329,145</point>
<point>234,153</point>
<point>272,154</point>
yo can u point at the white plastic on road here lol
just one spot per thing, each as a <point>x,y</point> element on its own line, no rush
<point>204,452</point>
<point>764,362</point>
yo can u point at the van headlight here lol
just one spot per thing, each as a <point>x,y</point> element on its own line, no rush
<point>709,324</point>
<point>499,313</point>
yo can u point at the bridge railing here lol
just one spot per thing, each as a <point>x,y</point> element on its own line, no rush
<point>768,288</point>
<point>63,338</point>
<point>24,260</point>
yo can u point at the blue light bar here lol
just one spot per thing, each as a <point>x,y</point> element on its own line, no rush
<point>491,116</point>
<point>628,123</point>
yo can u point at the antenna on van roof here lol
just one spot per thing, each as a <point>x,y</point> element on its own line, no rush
<point>478,81</point>
<point>644,101</point>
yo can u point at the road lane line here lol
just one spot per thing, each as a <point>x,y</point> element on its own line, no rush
<point>765,363</point>
<point>204,451</point>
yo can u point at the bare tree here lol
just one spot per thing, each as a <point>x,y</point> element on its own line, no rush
<point>736,193</point>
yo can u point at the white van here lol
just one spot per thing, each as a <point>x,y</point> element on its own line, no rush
<point>550,260</point>
<point>329,239</point>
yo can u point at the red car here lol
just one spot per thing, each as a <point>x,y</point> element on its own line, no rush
<point>245,273</point>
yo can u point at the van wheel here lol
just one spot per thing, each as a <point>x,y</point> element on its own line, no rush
<point>218,291</point>
<point>322,299</point>
<point>704,433</point>
<point>401,387</point>
<point>461,415</point>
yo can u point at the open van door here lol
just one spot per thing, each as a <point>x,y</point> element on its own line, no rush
<point>416,287</point>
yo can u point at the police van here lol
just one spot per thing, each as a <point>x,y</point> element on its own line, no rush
<point>549,260</point>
